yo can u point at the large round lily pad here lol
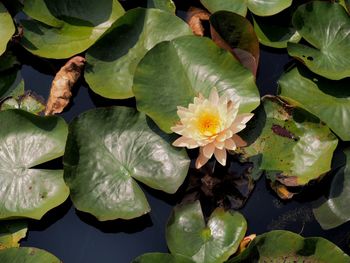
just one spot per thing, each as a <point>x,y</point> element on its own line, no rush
<point>258,7</point>
<point>326,99</point>
<point>189,235</point>
<point>7,28</point>
<point>326,26</point>
<point>334,211</point>
<point>64,28</point>
<point>174,72</point>
<point>161,258</point>
<point>293,147</point>
<point>27,255</point>
<point>113,59</point>
<point>285,246</point>
<point>27,140</point>
<point>107,149</point>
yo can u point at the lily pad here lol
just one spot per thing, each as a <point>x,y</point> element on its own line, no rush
<point>113,59</point>
<point>334,211</point>
<point>11,82</point>
<point>11,232</point>
<point>326,99</point>
<point>189,235</point>
<point>7,28</point>
<point>276,31</point>
<point>107,149</point>
<point>27,140</point>
<point>28,101</point>
<point>285,246</point>
<point>64,28</point>
<point>174,72</point>
<point>161,258</point>
<point>329,36</point>
<point>258,7</point>
<point>166,5</point>
<point>27,255</point>
<point>294,148</point>
<point>236,34</point>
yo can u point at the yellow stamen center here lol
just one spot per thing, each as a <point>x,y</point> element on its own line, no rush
<point>209,123</point>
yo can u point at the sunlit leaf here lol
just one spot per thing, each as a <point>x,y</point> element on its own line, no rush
<point>7,28</point>
<point>107,149</point>
<point>27,255</point>
<point>329,36</point>
<point>174,72</point>
<point>166,5</point>
<point>11,232</point>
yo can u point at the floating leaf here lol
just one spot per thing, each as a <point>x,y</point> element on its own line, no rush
<point>258,7</point>
<point>166,5</point>
<point>276,31</point>
<point>285,246</point>
<point>335,210</point>
<point>235,33</point>
<point>161,258</point>
<point>106,150</point>
<point>29,102</point>
<point>113,60</point>
<point>326,99</point>
<point>189,235</point>
<point>11,233</point>
<point>11,83</point>
<point>294,148</point>
<point>27,255</point>
<point>67,27</point>
<point>330,37</point>
<point>26,141</point>
<point>7,28</point>
<point>183,68</point>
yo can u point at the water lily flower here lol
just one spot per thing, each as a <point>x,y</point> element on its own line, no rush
<point>211,124</point>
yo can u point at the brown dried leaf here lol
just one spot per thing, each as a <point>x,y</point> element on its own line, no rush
<point>281,190</point>
<point>195,16</point>
<point>245,242</point>
<point>62,84</point>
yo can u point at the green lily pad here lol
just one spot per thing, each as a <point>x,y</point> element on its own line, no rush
<point>27,255</point>
<point>166,5</point>
<point>329,36</point>
<point>27,140</point>
<point>334,211</point>
<point>7,28</point>
<point>275,31</point>
<point>236,34</point>
<point>189,235</point>
<point>285,246</point>
<point>28,101</point>
<point>258,7</point>
<point>64,28</point>
<point>161,258</point>
<point>11,232</point>
<point>174,72</point>
<point>113,59</point>
<point>107,149</point>
<point>293,147</point>
<point>11,82</point>
<point>326,99</point>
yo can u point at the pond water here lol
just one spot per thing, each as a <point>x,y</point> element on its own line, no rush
<point>77,237</point>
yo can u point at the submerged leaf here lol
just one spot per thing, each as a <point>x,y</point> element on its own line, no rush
<point>65,28</point>
<point>161,258</point>
<point>189,235</point>
<point>285,246</point>
<point>329,36</point>
<point>27,191</point>
<point>112,61</point>
<point>107,149</point>
<point>334,211</point>
<point>185,67</point>
<point>293,147</point>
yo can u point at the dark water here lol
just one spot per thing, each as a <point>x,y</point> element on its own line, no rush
<point>76,237</point>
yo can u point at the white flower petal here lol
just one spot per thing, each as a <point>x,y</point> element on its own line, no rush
<point>201,160</point>
<point>208,150</point>
<point>240,122</point>
<point>220,155</point>
<point>178,129</point>
<point>230,145</point>
<point>185,142</point>
<point>220,145</point>
<point>239,141</point>
<point>214,96</point>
